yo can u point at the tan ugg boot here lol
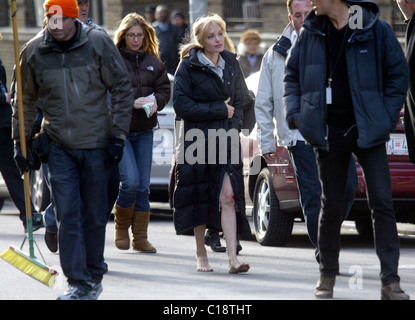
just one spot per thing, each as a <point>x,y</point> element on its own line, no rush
<point>139,229</point>
<point>123,221</point>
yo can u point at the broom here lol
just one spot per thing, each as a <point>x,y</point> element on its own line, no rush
<point>26,263</point>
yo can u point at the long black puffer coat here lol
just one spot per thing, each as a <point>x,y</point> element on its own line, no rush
<point>199,100</point>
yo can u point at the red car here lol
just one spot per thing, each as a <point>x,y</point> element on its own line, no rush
<point>271,189</point>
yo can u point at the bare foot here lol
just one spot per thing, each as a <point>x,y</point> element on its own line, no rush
<point>203,264</point>
<point>239,268</point>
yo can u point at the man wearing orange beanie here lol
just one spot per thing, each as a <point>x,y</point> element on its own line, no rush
<point>70,67</point>
<point>67,8</point>
<point>60,15</point>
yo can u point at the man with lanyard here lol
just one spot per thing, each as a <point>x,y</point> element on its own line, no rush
<point>345,97</point>
<point>269,106</point>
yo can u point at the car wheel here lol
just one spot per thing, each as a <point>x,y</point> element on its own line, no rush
<point>272,226</point>
<point>39,191</point>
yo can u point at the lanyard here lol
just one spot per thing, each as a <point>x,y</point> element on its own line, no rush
<point>331,70</point>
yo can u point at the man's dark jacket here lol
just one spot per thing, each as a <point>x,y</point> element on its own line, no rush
<point>410,99</point>
<point>378,77</point>
<point>169,46</point>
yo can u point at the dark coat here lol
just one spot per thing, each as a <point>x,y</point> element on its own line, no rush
<point>378,76</point>
<point>246,67</point>
<point>5,108</point>
<point>409,116</point>
<point>169,46</point>
<point>148,75</point>
<point>199,100</point>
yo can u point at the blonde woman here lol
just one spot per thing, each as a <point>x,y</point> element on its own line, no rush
<point>209,96</point>
<point>138,45</point>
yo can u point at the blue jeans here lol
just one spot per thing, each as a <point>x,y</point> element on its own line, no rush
<point>135,171</point>
<point>306,171</point>
<point>78,181</point>
<point>49,213</point>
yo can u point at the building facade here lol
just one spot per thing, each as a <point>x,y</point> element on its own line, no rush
<point>267,16</point>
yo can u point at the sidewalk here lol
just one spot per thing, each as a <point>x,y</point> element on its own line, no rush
<point>288,273</point>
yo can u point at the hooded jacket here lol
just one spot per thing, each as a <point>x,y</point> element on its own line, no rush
<point>378,78</point>
<point>148,76</point>
<point>73,88</point>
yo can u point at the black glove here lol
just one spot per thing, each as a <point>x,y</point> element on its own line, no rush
<point>114,152</point>
<point>24,164</point>
<point>40,146</point>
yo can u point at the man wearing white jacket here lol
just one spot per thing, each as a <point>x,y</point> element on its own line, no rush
<point>269,106</point>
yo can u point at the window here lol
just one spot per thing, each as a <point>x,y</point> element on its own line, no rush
<point>242,14</point>
<point>96,11</point>
<point>4,13</point>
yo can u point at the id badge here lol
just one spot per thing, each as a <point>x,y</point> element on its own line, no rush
<point>329,99</point>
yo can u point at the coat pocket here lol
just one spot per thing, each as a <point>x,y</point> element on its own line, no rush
<point>311,121</point>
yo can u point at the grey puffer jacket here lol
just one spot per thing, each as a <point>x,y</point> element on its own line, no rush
<point>73,88</point>
<point>378,77</point>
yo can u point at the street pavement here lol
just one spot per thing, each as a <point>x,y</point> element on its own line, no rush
<point>277,273</point>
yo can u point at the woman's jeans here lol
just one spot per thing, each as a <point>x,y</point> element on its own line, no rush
<point>135,171</point>
<point>78,180</point>
<point>333,167</point>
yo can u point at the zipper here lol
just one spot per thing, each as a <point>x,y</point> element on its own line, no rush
<point>350,129</point>
<point>65,92</point>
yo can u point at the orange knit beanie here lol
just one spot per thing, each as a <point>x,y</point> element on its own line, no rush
<point>68,8</point>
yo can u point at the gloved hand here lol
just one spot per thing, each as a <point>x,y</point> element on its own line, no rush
<point>24,164</point>
<point>114,152</point>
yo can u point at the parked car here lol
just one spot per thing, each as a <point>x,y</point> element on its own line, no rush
<point>272,189</point>
<point>163,149</point>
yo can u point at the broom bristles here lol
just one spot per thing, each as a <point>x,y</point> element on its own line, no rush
<point>30,266</point>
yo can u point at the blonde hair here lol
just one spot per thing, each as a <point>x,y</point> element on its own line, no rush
<point>201,29</point>
<point>150,40</point>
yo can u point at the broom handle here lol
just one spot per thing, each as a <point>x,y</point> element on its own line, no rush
<point>22,132</point>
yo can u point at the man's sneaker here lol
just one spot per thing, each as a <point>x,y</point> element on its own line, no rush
<point>96,290</point>
<point>77,292</point>
<point>51,240</point>
<point>37,222</point>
